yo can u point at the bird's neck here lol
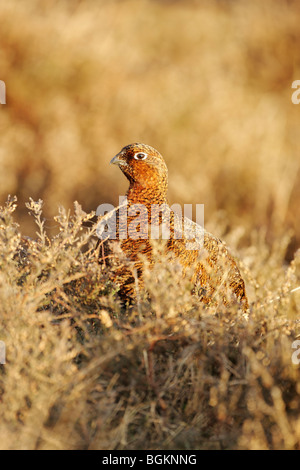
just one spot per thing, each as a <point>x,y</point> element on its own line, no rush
<point>139,194</point>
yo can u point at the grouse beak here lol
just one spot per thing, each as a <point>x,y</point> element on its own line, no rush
<point>116,160</point>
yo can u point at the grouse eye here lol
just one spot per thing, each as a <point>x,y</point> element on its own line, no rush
<point>140,156</point>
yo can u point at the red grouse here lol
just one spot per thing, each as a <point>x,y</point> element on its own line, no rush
<point>146,213</point>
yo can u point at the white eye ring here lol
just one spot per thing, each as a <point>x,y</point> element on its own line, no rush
<point>140,156</point>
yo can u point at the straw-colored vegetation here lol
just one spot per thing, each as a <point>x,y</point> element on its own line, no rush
<point>209,85</point>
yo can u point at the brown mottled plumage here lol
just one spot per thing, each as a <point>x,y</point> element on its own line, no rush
<point>214,268</point>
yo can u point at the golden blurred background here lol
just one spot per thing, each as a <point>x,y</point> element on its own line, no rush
<point>207,83</point>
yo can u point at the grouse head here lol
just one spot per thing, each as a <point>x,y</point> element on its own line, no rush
<point>144,167</point>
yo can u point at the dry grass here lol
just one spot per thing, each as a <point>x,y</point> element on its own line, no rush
<point>209,85</point>
<point>82,372</point>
